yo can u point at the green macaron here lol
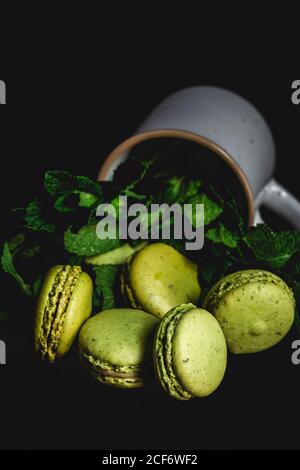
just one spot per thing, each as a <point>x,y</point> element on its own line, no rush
<point>255,309</point>
<point>64,303</point>
<point>116,346</point>
<point>189,352</point>
<point>157,278</point>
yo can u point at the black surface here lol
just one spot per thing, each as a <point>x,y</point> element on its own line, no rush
<point>67,110</point>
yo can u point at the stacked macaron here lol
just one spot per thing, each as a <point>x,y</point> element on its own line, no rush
<point>163,334</point>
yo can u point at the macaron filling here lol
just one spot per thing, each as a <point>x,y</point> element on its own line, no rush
<point>108,373</point>
<point>164,356</point>
<point>55,310</point>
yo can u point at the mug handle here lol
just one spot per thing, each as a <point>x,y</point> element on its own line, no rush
<point>280,200</point>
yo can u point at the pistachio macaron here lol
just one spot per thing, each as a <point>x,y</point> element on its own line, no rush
<point>190,353</point>
<point>158,277</point>
<point>64,303</point>
<point>116,346</point>
<point>255,309</point>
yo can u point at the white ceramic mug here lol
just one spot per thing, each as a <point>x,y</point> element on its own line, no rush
<point>233,129</point>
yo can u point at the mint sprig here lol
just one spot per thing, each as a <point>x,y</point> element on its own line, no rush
<point>59,226</point>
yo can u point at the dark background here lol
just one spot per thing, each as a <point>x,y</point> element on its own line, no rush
<point>68,107</point>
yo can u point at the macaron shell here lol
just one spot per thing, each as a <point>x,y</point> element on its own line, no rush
<point>159,278</point>
<point>78,311</point>
<point>199,352</point>
<point>42,301</point>
<point>255,316</point>
<point>118,342</point>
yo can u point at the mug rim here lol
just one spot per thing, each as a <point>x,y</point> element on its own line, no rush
<point>135,139</point>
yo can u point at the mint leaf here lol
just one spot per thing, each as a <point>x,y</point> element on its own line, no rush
<point>71,201</point>
<point>211,209</point>
<point>174,190</point>
<point>16,243</point>
<point>72,191</point>
<point>86,199</point>
<point>58,183</point>
<point>273,248</point>
<point>180,190</point>
<point>86,242</point>
<point>30,252</point>
<point>34,219</point>
<point>233,214</point>
<point>66,203</point>
<point>222,235</point>
<point>8,266</point>
<point>105,284</point>
<point>192,189</point>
